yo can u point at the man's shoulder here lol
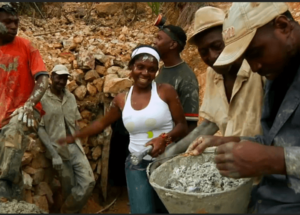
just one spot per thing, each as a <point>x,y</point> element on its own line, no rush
<point>47,91</point>
<point>182,70</point>
<point>25,43</point>
<point>70,95</point>
<point>46,95</point>
<point>211,72</point>
<point>21,41</point>
<point>164,86</point>
<point>185,70</point>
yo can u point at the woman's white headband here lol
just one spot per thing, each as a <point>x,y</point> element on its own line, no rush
<point>145,50</point>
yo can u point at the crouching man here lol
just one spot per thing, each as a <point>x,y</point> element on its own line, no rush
<point>70,162</point>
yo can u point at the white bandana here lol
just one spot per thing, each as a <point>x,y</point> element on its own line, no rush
<point>145,50</point>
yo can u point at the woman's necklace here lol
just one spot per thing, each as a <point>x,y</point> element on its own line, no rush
<point>167,67</point>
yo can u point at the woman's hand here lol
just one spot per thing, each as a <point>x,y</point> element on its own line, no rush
<point>159,145</point>
<point>69,139</point>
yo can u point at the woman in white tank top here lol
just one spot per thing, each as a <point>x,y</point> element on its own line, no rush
<point>153,115</point>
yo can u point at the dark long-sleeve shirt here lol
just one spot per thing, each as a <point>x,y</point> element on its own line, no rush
<point>281,127</point>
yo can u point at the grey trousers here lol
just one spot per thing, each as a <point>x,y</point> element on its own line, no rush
<point>77,181</point>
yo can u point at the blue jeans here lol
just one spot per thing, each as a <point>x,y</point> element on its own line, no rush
<point>142,197</point>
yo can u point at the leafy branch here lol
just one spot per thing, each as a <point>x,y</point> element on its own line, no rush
<point>155,6</point>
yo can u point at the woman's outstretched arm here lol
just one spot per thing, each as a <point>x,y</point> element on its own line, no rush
<point>113,114</point>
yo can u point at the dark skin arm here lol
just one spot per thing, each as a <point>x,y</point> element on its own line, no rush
<point>204,141</point>
<point>249,159</point>
<point>206,127</point>
<point>168,94</point>
<point>26,112</point>
<point>114,113</point>
<point>241,159</point>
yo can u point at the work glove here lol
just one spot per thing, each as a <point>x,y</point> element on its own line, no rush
<point>25,114</point>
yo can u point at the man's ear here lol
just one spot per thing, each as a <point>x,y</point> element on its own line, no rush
<point>283,24</point>
<point>174,45</point>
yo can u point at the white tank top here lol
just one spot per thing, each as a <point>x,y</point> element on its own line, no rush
<point>148,123</point>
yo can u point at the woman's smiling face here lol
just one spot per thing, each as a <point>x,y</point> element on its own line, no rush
<point>144,70</point>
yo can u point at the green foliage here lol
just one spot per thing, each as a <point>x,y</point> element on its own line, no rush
<point>27,8</point>
<point>155,6</point>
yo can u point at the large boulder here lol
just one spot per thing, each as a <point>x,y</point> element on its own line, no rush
<point>85,60</point>
<point>114,84</point>
<point>108,8</point>
<point>80,92</point>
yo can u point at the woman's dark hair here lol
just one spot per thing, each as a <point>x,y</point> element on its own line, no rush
<point>137,57</point>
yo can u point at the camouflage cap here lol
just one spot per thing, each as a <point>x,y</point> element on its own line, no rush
<point>5,3</point>
<point>8,7</point>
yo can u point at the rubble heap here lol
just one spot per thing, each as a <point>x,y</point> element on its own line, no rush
<point>94,40</point>
<point>200,178</point>
<point>15,207</point>
<point>96,55</point>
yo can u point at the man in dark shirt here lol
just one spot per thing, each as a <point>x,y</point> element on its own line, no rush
<point>170,41</point>
<point>269,38</point>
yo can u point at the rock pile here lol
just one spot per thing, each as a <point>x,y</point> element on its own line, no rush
<point>38,175</point>
<point>200,178</point>
<point>94,40</point>
<point>15,207</point>
<point>96,54</point>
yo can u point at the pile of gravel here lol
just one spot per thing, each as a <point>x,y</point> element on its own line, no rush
<point>200,178</point>
<point>19,207</point>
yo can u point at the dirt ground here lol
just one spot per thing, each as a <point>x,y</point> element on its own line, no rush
<point>120,206</point>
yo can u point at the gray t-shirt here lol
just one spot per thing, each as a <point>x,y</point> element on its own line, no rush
<point>184,80</point>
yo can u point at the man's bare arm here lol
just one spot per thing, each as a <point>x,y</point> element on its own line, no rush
<point>26,112</point>
<point>39,89</point>
<point>205,128</point>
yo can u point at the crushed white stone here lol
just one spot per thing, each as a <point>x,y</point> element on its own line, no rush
<point>199,178</point>
<point>19,207</point>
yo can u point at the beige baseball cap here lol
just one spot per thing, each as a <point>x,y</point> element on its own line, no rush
<point>61,70</point>
<point>205,18</point>
<point>241,23</point>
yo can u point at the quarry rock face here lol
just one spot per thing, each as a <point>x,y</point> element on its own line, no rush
<point>95,44</point>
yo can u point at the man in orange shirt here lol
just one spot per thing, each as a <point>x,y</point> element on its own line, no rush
<point>23,82</point>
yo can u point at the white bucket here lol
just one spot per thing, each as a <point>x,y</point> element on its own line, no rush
<point>233,201</point>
